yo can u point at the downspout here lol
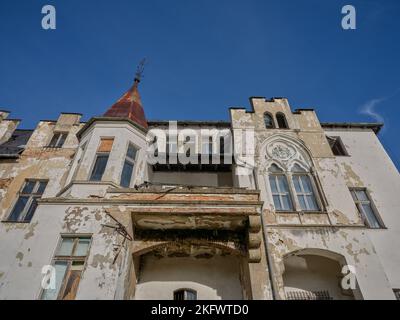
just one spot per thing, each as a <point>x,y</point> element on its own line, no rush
<point>274,291</point>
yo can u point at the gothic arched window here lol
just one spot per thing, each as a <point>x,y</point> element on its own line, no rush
<point>304,189</point>
<point>280,189</point>
<point>268,121</point>
<point>286,187</point>
<point>281,120</point>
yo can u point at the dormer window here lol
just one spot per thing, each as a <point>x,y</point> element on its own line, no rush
<point>281,119</point>
<point>58,140</point>
<point>337,146</point>
<point>268,121</point>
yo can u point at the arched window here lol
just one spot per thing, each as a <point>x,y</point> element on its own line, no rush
<point>185,294</point>
<point>304,189</point>
<point>281,119</point>
<point>286,187</point>
<point>268,121</point>
<point>280,189</point>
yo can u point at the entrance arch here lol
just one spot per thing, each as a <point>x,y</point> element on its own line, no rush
<point>211,271</point>
<point>314,274</point>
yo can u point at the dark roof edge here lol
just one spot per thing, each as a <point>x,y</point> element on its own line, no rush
<point>374,126</point>
<point>110,119</point>
<point>191,122</point>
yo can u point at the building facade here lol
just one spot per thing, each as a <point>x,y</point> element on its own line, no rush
<point>277,206</point>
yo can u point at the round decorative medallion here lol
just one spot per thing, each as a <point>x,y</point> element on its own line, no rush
<point>282,152</point>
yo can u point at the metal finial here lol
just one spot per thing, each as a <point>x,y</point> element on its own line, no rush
<point>139,70</point>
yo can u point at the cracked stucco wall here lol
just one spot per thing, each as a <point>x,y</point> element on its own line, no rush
<point>339,228</point>
<point>369,166</point>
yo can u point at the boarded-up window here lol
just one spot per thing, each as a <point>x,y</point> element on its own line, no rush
<point>105,145</point>
<point>68,264</point>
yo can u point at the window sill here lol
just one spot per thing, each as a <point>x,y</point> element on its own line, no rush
<point>301,212</point>
<point>19,222</point>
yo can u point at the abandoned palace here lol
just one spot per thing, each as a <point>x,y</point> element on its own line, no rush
<point>273,204</point>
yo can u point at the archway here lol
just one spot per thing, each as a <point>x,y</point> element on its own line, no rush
<point>314,274</point>
<point>209,271</point>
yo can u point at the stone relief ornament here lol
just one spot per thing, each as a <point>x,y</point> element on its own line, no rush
<point>281,152</point>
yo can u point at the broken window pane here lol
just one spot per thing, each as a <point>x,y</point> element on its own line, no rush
<point>60,269</point>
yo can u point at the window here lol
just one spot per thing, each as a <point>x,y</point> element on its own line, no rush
<point>304,189</point>
<point>26,204</point>
<point>364,206</point>
<point>268,121</point>
<point>68,263</point>
<point>281,119</point>
<point>185,294</point>
<point>308,295</point>
<point>103,152</point>
<point>207,145</point>
<point>172,144</point>
<point>129,164</point>
<point>280,189</point>
<point>337,146</point>
<point>58,140</point>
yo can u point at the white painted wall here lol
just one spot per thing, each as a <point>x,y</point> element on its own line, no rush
<point>213,279</point>
<point>376,172</point>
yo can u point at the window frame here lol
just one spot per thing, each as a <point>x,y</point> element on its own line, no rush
<point>69,259</point>
<point>31,196</point>
<point>133,162</point>
<point>279,194</point>
<point>207,145</point>
<point>315,192</point>
<point>283,116</point>
<point>168,147</point>
<point>101,153</point>
<point>61,134</point>
<point>296,207</point>
<point>185,292</point>
<point>97,155</point>
<point>338,140</point>
<point>360,210</point>
<point>273,126</point>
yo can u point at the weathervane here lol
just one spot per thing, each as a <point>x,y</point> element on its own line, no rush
<point>139,70</point>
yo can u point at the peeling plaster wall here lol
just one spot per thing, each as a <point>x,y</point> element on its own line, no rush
<point>370,167</point>
<point>31,246</point>
<point>353,245</point>
<point>339,227</point>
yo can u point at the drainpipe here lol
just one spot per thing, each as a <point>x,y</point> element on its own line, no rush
<point>274,290</point>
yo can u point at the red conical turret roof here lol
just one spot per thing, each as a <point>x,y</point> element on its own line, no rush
<point>129,106</point>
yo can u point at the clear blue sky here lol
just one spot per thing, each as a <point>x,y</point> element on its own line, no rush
<point>203,57</point>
